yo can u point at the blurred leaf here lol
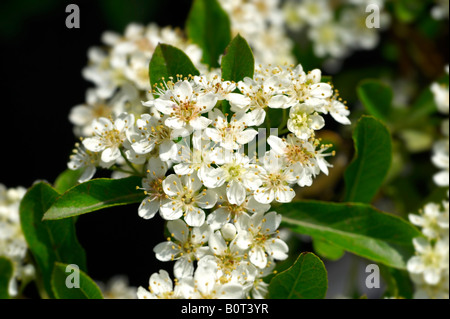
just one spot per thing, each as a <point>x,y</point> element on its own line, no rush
<point>87,289</point>
<point>357,228</point>
<point>208,26</point>
<point>398,283</point>
<point>168,61</point>
<point>238,61</point>
<point>376,98</point>
<point>6,273</point>
<point>327,250</point>
<point>371,162</point>
<point>305,279</point>
<point>67,179</point>
<point>94,195</point>
<point>48,241</point>
<point>408,11</point>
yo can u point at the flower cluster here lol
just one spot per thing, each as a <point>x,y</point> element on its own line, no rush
<point>261,23</point>
<point>440,156</point>
<point>429,268</point>
<point>204,172</point>
<point>12,241</point>
<point>119,71</point>
<point>334,36</point>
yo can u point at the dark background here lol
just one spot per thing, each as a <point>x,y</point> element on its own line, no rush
<point>41,63</point>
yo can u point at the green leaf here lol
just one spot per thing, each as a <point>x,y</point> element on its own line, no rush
<point>354,227</point>
<point>70,282</point>
<point>208,26</point>
<point>305,279</point>
<point>238,61</point>
<point>371,162</point>
<point>94,195</point>
<point>398,283</point>
<point>376,98</point>
<point>6,273</point>
<point>327,250</point>
<point>48,241</point>
<point>67,179</point>
<point>168,61</point>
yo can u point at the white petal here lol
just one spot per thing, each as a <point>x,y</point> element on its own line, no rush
<point>183,268</point>
<point>148,209</point>
<point>195,217</point>
<point>110,154</point>
<point>258,257</point>
<point>277,249</point>
<point>236,192</point>
<point>165,251</point>
<point>178,229</point>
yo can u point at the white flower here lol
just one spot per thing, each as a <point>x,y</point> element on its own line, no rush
<point>314,12</point>
<point>150,133</point>
<point>118,287</point>
<point>185,246</point>
<point>212,82</point>
<point>301,156</point>
<point>307,88</point>
<point>338,111</point>
<point>206,284</point>
<point>262,93</point>
<point>153,188</point>
<point>431,260</point>
<point>277,179</point>
<point>185,108</point>
<point>109,136</point>
<point>161,287</point>
<point>327,39</point>
<point>83,158</point>
<point>304,120</point>
<point>440,159</point>
<point>258,234</point>
<point>432,220</point>
<point>239,174</point>
<point>228,212</point>
<point>230,135</point>
<point>185,198</point>
<point>198,159</point>
<point>441,96</point>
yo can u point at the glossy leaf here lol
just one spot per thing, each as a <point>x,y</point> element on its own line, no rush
<point>48,241</point>
<point>67,179</point>
<point>371,162</point>
<point>376,98</point>
<point>354,227</point>
<point>6,273</point>
<point>94,195</point>
<point>238,61</point>
<point>208,26</point>
<point>168,61</point>
<point>69,282</point>
<point>305,279</point>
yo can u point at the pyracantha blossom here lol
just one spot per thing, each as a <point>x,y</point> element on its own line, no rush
<point>230,135</point>
<point>440,159</point>
<point>185,107</point>
<point>150,134</point>
<point>431,260</point>
<point>226,212</point>
<point>239,174</point>
<point>185,197</point>
<point>160,287</point>
<point>185,245</point>
<point>304,121</point>
<point>258,235</point>
<point>206,284</point>
<point>277,179</point>
<point>433,220</point>
<point>153,188</point>
<point>13,245</point>
<point>109,136</point>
